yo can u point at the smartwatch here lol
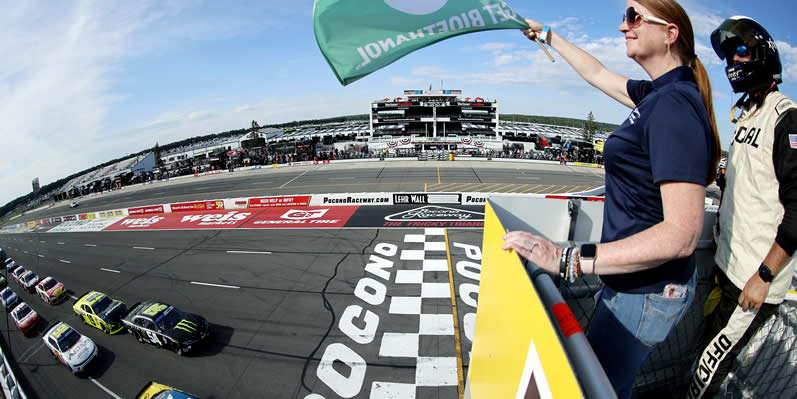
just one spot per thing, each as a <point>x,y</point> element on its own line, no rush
<point>765,273</point>
<point>589,252</point>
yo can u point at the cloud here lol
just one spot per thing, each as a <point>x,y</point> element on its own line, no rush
<point>404,82</point>
<point>707,55</point>
<point>569,24</point>
<point>788,57</point>
<point>63,61</point>
<point>496,46</point>
<point>430,71</point>
<point>175,126</point>
<point>703,24</point>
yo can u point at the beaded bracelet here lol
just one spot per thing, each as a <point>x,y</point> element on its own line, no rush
<point>572,267</point>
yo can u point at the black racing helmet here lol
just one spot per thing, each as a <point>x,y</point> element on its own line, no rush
<point>743,34</point>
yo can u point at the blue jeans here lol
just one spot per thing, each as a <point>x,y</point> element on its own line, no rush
<point>626,327</point>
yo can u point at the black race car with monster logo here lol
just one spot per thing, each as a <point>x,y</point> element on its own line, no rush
<point>166,326</point>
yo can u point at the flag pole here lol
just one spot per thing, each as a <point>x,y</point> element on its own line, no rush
<point>544,49</point>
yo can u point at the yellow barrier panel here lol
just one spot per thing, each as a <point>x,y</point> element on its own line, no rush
<point>589,165</point>
<point>515,341</point>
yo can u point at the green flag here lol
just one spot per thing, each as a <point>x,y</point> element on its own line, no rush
<point>358,37</point>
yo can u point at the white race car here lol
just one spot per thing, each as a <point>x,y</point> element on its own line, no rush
<point>29,281</point>
<point>74,350</point>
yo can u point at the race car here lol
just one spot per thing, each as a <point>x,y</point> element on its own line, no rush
<point>72,349</point>
<point>8,297</point>
<point>153,390</point>
<point>18,272</point>
<point>74,204</point>
<point>28,281</point>
<point>167,327</point>
<point>3,282</point>
<point>51,291</point>
<point>10,264</point>
<point>99,310</point>
<point>26,319</point>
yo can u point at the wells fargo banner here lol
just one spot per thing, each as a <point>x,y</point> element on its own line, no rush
<point>358,37</point>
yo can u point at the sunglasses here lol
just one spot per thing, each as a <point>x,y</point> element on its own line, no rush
<point>742,51</point>
<point>634,19</point>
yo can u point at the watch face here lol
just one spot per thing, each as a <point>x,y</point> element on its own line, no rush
<point>588,250</point>
<point>765,273</point>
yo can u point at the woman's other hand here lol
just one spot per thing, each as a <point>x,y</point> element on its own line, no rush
<point>537,249</point>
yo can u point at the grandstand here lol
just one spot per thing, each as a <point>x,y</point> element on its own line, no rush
<point>107,177</point>
<point>432,120</point>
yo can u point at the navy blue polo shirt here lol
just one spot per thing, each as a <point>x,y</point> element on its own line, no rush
<point>667,137</point>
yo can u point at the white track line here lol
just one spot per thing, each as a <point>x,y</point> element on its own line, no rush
<point>74,297</point>
<point>215,285</point>
<point>64,261</point>
<point>110,270</point>
<point>147,248</point>
<point>108,391</point>
<point>291,181</point>
<point>40,255</point>
<point>89,245</point>
<point>25,359</point>
<point>60,243</point>
<point>249,252</point>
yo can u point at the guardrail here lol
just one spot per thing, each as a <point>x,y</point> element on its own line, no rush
<point>8,380</point>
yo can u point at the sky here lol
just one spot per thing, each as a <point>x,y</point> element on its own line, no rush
<point>84,82</point>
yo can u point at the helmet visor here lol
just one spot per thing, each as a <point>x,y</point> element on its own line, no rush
<point>733,33</point>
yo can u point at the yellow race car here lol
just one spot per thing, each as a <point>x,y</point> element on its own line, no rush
<point>153,390</point>
<point>99,310</point>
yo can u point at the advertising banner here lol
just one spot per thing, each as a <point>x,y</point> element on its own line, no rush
<point>352,199</point>
<point>455,216</point>
<point>111,214</point>
<point>426,198</point>
<point>265,202</point>
<point>183,221</point>
<point>145,210</point>
<point>475,198</point>
<point>302,217</point>
<point>197,206</point>
<point>83,226</point>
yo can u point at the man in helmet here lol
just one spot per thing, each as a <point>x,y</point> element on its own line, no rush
<point>758,212</point>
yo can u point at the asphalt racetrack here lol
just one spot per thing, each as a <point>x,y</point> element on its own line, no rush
<point>387,176</point>
<point>294,313</point>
